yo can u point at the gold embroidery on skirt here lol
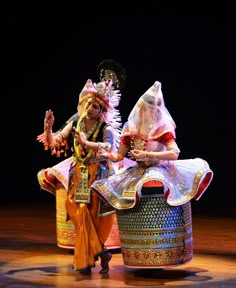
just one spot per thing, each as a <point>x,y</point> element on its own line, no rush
<point>82,192</point>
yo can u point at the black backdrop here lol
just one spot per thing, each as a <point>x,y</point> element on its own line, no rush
<point>48,56</point>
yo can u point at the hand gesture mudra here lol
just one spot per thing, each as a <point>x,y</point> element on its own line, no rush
<point>48,120</point>
<point>137,154</point>
<point>79,136</point>
<point>103,153</point>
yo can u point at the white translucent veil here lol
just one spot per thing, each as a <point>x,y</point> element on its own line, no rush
<point>150,118</point>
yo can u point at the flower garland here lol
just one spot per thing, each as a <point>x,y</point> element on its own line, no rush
<point>79,148</point>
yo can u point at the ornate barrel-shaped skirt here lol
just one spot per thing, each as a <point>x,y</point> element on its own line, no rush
<point>154,234</point>
<point>65,229</point>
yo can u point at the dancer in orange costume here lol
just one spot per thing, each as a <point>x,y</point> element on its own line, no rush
<point>97,125</point>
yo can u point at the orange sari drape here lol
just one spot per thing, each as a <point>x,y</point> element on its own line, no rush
<point>91,231</point>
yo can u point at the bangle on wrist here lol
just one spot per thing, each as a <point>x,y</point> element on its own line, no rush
<point>145,156</point>
<point>47,133</point>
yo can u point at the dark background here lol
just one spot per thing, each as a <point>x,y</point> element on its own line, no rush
<point>48,55</point>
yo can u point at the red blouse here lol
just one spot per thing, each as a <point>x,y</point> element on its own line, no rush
<point>164,139</point>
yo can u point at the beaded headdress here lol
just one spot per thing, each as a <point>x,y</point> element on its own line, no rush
<point>109,69</point>
<point>112,77</point>
<point>108,98</point>
<point>104,93</point>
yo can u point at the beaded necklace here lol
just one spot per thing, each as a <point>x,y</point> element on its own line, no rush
<point>79,149</point>
<point>82,191</point>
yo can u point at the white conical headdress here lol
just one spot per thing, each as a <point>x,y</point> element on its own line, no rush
<point>150,118</point>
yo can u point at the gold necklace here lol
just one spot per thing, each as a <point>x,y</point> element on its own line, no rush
<point>138,143</point>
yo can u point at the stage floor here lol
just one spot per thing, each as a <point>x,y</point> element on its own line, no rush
<point>31,258</point>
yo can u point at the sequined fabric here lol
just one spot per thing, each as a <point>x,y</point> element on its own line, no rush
<point>154,234</point>
<point>182,181</point>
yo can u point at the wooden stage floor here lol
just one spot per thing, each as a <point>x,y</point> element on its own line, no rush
<point>30,257</point>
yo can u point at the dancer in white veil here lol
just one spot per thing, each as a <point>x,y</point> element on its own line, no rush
<point>149,138</point>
